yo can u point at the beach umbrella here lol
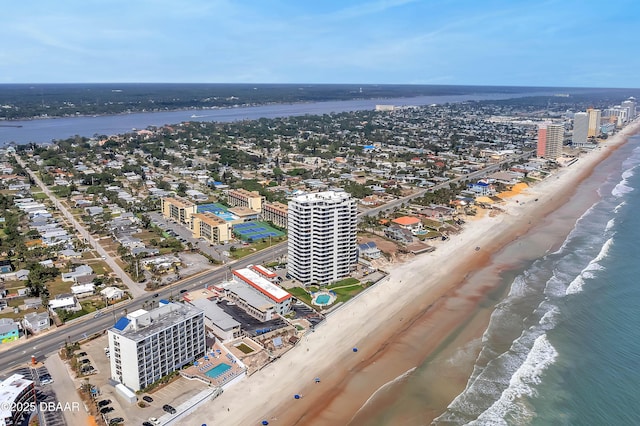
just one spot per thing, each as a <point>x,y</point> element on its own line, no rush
<point>317,379</point>
<point>264,422</point>
<point>355,349</point>
<point>296,396</point>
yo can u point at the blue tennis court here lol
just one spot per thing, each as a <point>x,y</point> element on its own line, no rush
<point>255,231</point>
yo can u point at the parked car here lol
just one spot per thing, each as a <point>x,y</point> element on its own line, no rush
<point>147,398</point>
<point>104,403</point>
<point>46,380</point>
<point>154,420</point>
<point>106,410</point>
<point>81,354</point>
<point>147,424</point>
<point>169,409</point>
<point>116,420</point>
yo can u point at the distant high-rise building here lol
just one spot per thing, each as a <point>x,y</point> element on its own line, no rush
<point>630,106</point>
<point>322,237</point>
<point>550,139</point>
<point>580,128</point>
<point>594,122</point>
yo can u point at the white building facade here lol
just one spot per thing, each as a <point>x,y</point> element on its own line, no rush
<point>322,237</point>
<point>147,345</point>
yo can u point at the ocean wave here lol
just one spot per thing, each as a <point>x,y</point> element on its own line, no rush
<point>382,388</point>
<point>621,189</point>
<point>619,206</point>
<point>610,224</point>
<point>577,284</point>
<point>509,408</point>
<point>576,228</point>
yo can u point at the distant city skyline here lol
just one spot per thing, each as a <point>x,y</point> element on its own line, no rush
<point>508,43</point>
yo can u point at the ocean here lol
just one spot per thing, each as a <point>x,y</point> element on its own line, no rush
<point>562,344</point>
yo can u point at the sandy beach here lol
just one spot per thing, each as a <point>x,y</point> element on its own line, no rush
<point>430,293</point>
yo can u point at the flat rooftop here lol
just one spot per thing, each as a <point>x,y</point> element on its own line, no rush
<point>140,324</point>
<point>264,286</point>
<point>9,390</point>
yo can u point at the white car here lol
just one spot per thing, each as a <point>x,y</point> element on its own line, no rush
<point>154,420</point>
<point>46,381</point>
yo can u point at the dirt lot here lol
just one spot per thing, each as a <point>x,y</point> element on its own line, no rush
<point>388,247</point>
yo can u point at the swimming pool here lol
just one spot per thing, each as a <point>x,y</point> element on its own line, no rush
<point>218,370</point>
<point>323,299</point>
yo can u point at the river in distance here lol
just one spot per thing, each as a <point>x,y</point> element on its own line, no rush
<point>49,129</point>
<point>562,346</point>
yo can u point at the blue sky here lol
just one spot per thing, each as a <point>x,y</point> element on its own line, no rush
<point>485,42</point>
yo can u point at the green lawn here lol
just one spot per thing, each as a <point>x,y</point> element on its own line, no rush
<point>346,281</point>
<point>300,294</point>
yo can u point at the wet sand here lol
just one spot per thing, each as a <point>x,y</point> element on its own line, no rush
<point>413,316</point>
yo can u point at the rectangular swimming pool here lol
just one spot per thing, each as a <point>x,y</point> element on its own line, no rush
<point>218,370</point>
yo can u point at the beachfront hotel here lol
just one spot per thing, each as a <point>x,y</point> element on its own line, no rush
<point>550,139</point>
<point>17,398</point>
<point>275,213</point>
<point>322,237</point>
<point>147,345</point>
<point>178,209</point>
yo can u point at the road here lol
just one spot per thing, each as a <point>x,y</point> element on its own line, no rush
<point>474,175</point>
<point>76,330</point>
<point>134,288</point>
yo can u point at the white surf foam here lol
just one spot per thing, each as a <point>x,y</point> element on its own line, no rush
<point>522,384</point>
<point>577,284</point>
<point>610,224</point>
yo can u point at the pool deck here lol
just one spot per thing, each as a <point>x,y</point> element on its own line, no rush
<point>204,365</point>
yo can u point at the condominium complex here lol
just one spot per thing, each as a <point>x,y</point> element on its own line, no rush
<point>210,227</point>
<point>594,122</point>
<point>17,399</point>
<point>550,139</point>
<point>275,213</point>
<point>147,345</point>
<point>178,209</point>
<point>322,237</point>
<point>244,198</point>
<point>580,128</point>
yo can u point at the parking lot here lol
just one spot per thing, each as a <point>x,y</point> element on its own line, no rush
<point>250,324</point>
<point>173,394</point>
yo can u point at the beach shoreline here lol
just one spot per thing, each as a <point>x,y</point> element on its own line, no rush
<point>429,293</point>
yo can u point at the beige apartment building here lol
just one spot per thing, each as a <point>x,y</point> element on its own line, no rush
<point>178,209</point>
<point>244,198</point>
<point>275,213</point>
<point>210,227</point>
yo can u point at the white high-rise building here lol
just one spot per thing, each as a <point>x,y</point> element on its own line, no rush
<point>322,237</point>
<point>580,128</point>
<point>630,106</point>
<point>147,345</point>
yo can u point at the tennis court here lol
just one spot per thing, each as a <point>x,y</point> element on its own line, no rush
<point>255,231</point>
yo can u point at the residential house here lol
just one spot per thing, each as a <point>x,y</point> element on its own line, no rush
<point>369,250</point>
<point>77,272</point>
<point>65,301</point>
<point>5,266</point>
<point>399,234</point>
<point>36,322</point>
<point>32,303</point>
<point>83,290</point>
<point>112,293</point>
<point>413,224</point>
<point>9,330</point>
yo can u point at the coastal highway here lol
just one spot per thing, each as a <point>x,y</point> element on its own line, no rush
<point>76,330</point>
<point>474,175</point>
